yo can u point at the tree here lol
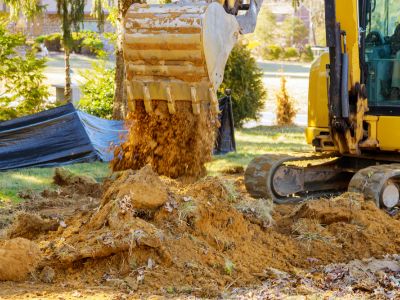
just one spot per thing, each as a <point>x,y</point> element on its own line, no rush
<point>28,8</point>
<point>98,90</point>
<point>285,106</point>
<point>22,77</point>
<point>295,31</point>
<point>119,109</point>
<point>266,22</point>
<point>71,13</point>
<point>317,12</point>
<point>244,78</point>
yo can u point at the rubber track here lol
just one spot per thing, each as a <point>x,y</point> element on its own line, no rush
<point>369,181</point>
<point>258,176</point>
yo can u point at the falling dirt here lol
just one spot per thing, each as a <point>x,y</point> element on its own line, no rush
<point>175,145</point>
<point>155,235</point>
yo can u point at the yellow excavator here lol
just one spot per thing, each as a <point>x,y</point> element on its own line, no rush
<point>353,112</point>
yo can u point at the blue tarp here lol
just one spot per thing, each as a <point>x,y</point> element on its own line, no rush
<point>58,136</point>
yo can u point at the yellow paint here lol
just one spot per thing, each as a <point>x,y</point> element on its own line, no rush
<point>318,93</point>
<point>318,99</point>
<point>347,16</point>
<point>313,132</point>
<point>388,133</point>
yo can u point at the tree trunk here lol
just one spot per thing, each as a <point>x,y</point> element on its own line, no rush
<point>120,102</point>
<point>67,89</point>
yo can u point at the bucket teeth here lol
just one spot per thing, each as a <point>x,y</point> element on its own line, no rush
<point>195,101</point>
<point>131,102</point>
<point>147,99</point>
<point>214,101</point>
<point>171,102</point>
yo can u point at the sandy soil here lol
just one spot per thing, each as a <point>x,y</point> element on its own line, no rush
<point>146,235</point>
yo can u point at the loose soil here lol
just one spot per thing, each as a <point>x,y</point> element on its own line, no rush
<point>155,235</point>
<point>175,145</point>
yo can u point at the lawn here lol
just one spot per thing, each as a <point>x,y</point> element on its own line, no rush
<point>250,143</point>
<point>38,179</point>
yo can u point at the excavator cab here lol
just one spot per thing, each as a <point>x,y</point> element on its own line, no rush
<point>382,55</point>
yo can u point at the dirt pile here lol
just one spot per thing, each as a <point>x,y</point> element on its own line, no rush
<point>358,279</point>
<point>342,229</point>
<point>18,258</point>
<point>174,145</point>
<point>152,234</point>
<point>28,225</point>
<point>82,184</point>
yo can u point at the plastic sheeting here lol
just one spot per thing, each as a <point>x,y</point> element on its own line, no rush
<point>64,135</point>
<point>58,136</point>
<point>225,142</point>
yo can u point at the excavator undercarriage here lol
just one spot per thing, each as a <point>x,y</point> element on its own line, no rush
<point>293,179</point>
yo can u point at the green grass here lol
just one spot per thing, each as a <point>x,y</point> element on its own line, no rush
<point>258,141</point>
<point>38,179</point>
<point>250,144</point>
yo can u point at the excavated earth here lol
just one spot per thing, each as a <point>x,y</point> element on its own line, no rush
<point>139,234</point>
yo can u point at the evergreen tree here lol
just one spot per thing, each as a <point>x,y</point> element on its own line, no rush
<point>244,78</point>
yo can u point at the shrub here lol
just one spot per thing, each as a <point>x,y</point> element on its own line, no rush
<point>87,42</point>
<point>40,39</point>
<point>98,90</point>
<point>53,42</point>
<point>92,45</point>
<point>244,78</point>
<point>112,37</point>
<point>77,39</point>
<point>290,52</point>
<point>22,76</point>
<point>83,42</point>
<point>307,54</point>
<point>295,31</point>
<point>285,110</point>
<point>272,52</point>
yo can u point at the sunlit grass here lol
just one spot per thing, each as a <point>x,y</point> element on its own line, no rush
<point>38,179</point>
<point>258,141</point>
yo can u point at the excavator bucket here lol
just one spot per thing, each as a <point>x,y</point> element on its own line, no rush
<point>177,52</point>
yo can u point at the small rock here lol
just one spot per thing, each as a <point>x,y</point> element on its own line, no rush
<point>312,260</point>
<point>150,264</point>
<point>76,294</point>
<point>140,277</point>
<point>187,199</point>
<point>47,275</point>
